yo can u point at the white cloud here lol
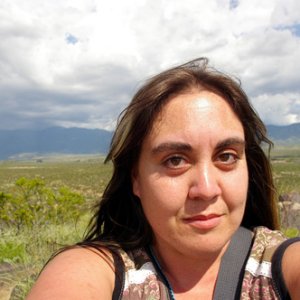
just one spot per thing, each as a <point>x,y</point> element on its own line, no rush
<point>280,109</point>
<point>286,13</point>
<point>56,54</point>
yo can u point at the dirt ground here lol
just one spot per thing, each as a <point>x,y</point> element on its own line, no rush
<point>8,279</point>
<point>5,286</point>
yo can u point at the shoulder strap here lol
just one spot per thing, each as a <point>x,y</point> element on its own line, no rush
<point>119,276</point>
<point>231,271</point>
<point>232,267</point>
<point>277,275</point>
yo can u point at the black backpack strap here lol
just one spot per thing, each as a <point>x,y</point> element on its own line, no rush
<point>277,275</point>
<point>119,276</point>
<point>232,267</point>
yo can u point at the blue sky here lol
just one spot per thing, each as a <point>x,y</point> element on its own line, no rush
<point>77,63</point>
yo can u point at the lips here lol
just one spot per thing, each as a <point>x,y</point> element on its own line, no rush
<point>202,221</point>
<point>203,217</point>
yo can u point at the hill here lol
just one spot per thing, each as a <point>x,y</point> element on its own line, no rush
<point>53,140</point>
<point>61,140</point>
<point>289,135</point>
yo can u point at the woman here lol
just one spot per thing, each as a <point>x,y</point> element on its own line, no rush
<point>190,183</point>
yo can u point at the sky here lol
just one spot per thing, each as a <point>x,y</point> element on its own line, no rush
<point>77,63</point>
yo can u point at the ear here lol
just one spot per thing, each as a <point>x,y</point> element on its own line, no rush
<point>135,183</point>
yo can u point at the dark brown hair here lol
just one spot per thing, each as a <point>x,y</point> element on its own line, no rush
<point>119,219</point>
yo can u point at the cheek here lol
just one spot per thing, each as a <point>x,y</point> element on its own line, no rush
<point>245,182</point>
<point>161,196</point>
<point>237,190</point>
<point>234,184</point>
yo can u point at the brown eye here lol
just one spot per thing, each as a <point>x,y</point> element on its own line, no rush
<point>174,161</point>
<point>228,158</point>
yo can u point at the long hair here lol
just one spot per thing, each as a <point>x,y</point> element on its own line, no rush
<point>119,219</point>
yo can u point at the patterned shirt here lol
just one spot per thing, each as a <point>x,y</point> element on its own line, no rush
<point>141,280</point>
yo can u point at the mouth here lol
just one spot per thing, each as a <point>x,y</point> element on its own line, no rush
<point>204,222</point>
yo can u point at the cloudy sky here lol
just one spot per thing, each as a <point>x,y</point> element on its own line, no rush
<point>76,63</point>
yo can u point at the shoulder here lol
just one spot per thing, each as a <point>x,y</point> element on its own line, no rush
<point>257,279</point>
<point>268,237</point>
<point>78,273</point>
<point>291,269</point>
<point>265,243</point>
<point>279,258</point>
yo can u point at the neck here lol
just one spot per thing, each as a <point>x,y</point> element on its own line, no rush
<point>189,273</point>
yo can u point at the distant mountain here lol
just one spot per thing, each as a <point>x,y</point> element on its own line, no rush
<point>53,140</point>
<point>289,134</point>
<point>61,140</point>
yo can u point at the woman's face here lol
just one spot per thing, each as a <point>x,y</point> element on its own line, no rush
<point>192,176</point>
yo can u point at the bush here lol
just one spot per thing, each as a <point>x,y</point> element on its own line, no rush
<point>12,252</point>
<point>35,204</point>
<point>291,232</point>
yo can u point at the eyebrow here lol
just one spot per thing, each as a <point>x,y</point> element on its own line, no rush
<point>171,146</point>
<point>231,142</point>
<point>177,146</point>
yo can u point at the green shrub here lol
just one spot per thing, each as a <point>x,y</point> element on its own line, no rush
<point>12,252</point>
<point>35,204</point>
<point>291,232</point>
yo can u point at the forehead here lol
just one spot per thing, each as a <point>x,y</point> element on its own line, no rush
<point>196,110</point>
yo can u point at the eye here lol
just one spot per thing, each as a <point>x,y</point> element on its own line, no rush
<point>174,162</point>
<point>228,158</point>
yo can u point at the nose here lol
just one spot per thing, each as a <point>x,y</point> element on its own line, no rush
<point>205,183</point>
